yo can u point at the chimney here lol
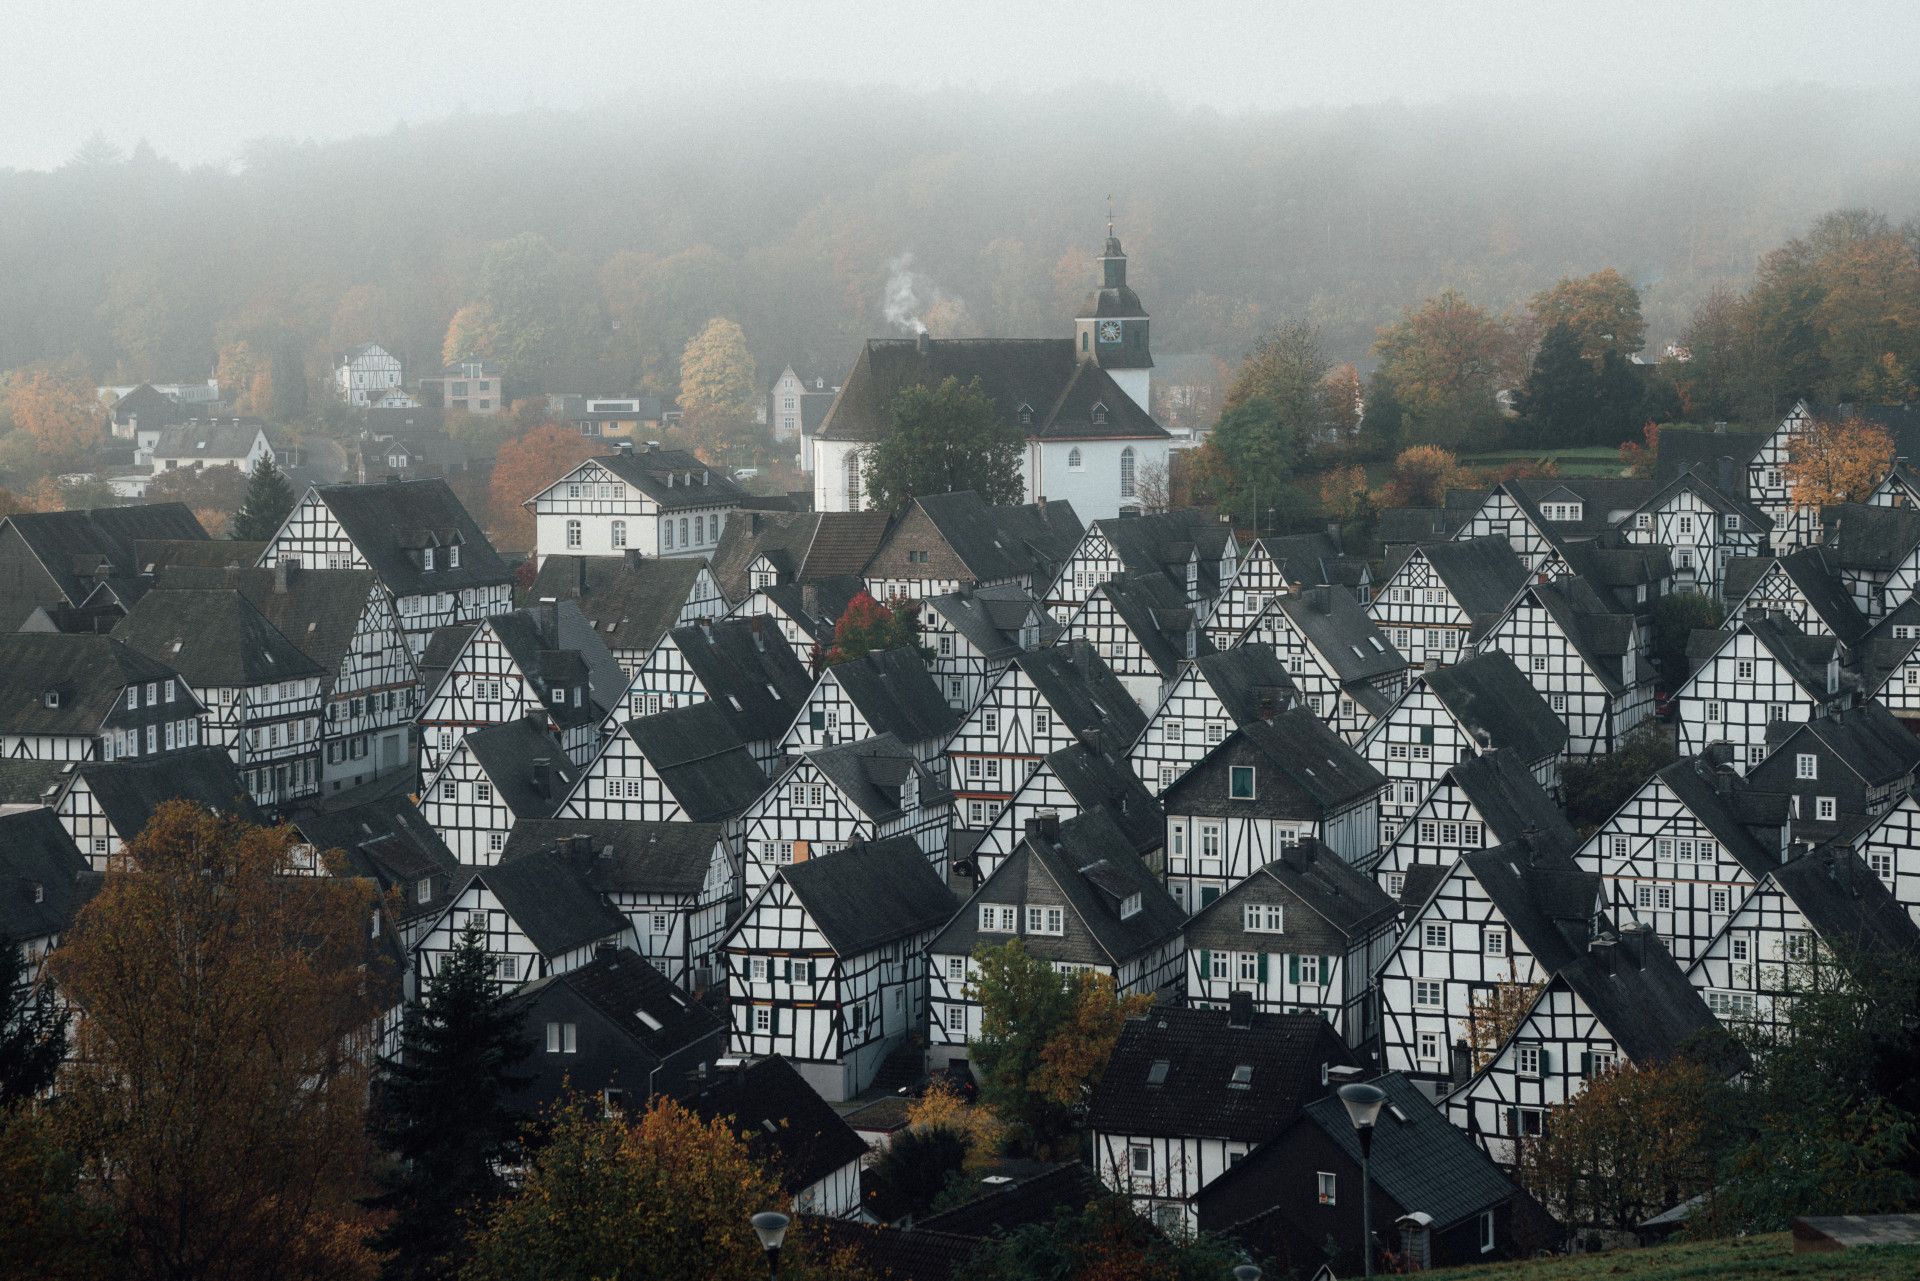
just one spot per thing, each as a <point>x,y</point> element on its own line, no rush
<point>634,558</point>
<point>1240,1009</point>
<point>1091,737</point>
<point>653,447</point>
<point>605,951</point>
<point>923,341</point>
<point>1339,1074</point>
<point>282,575</point>
<point>810,600</point>
<point>1633,944</point>
<point>753,624</point>
<point>543,776</point>
<point>580,576</point>
<point>1602,948</point>
<point>580,845</point>
<point>1046,823</point>
<point>626,447</point>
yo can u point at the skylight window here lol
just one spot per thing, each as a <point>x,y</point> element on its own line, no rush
<point>653,1024</point>
<point>1242,1077</point>
<point>734,703</point>
<point>1378,648</point>
<point>1157,1073</point>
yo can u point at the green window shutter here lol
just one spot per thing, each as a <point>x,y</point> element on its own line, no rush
<point>1513,1121</point>
<point>1206,963</point>
<point>1586,1065</point>
<point>1426,733</point>
<point>786,968</point>
<point>816,719</point>
<point>1546,1062</point>
<point>1263,967</point>
<point>1293,967</point>
<point>1326,971</point>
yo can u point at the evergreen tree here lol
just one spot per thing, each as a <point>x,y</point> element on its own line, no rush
<point>33,1031</point>
<point>943,440</point>
<point>1560,393</point>
<point>1619,401</point>
<point>269,499</point>
<point>439,1109</point>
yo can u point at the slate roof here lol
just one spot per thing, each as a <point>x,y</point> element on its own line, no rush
<point>215,639</point>
<point>1103,780</point>
<point>663,475</point>
<point>1029,541</point>
<point>1804,657</point>
<point>1599,496</point>
<point>153,556</point>
<point>1746,822</point>
<point>129,791</point>
<point>1162,542</point>
<point>1342,895</point>
<point>1616,569</point>
<point>991,617</point>
<point>41,875</point>
<point>1402,526</point>
<point>1488,694</point>
<point>816,605</point>
<point>1083,692</point>
<point>552,642</point>
<point>553,907</point>
<point>508,753</point>
<point>870,893</point>
<point>802,546</point>
<point>629,601</point>
<point>1195,1096</point>
<point>699,760</point>
<point>88,671</point>
<point>388,840</point>
<point>1482,575</point>
<point>1045,374</point>
<point>1867,739</point>
<point>1873,539</point>
<point>1314,760</point>
<point>1600,634</point>
<point>1817,579</point>
<point>1249,680</point>
<point>1315,558</point>
<point>70,544</point>
<point>1849,907</point>
<point>1157,615</point>
<point>229,438</point>
<point>1644,1001</point>
<point>1035,1198</point>
<point>621,985</point>
<point>1511,801</point>
<point>1705,451</point>
<point>1546,898</point>
<point>319,611</point>
<point>897,695</point>
<point>783,1120</point>
<point>152,407</point>
<point>1881,651</point>
<point>1341,633</point>
<point>389,523</point>
<point>749,672</point>
<point>891,1253</point>
<point>622,855</point>
<point>872,772</point>
<point>1725,494</point>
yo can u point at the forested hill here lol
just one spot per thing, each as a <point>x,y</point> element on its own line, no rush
<point>785,210</point>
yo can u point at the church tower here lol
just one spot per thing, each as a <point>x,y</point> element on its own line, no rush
<point>1111,329</point>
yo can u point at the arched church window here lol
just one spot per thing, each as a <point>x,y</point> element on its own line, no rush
<point>1126,472</point>
<point>853,482</point>
<point>1073,459</point>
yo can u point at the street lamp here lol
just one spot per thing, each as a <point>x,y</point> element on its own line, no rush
<point>1246,1272</point>
<point>771,1227</point>
<point>1363,1103</point>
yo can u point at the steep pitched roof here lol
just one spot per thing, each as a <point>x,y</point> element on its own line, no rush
<point>1314,559</point>
<point>1644,1001</point>
<point>1030,540</point>
<point>817,604</point>
<point>1849,907</point>
<point>390,523</point>
<point>41,875</point>
<point>871,893</point>
<point>1882,650</point>
<point>873,772</point>
<point>1601,635</point>
<point>1157,615</point>
<point>699,760</point>
<point>991,617</point>
<point>636,999</point>
<point>785,1123</point>
<point>319,610</point>
<point>511,753</point>
<point>1600,497</point>
<point>553,642</point>
<point>1817,579</point>
<point>129,791</point>
<point>1706,452</point>
<point>1867,739</point>
<point>1857,536</point>
<point>781,537</point>
<point>70,544</point>
<point>214,638</point>
<point>897,694</point>
<point>1747,822</point>
<point>1342,895</point>
<point>88,672</point>
<point>1340,631</point>
<point>1804,657</point>
<point>1249,680</point>
<point>1483,576</point>
<point>673,478</point>
<point>749,671</point>
<point>1489,695</point>
<point>622,855</point>
<point>225,438</point>
<point>1511,801</point>
<point>1083,692</point>
<point>1546,898</point>
<point>1162,542</point>
<point>388,840</point>
<point>1099,779</point>
<point>630,602</point>
<point>553,907</point>
<point>1311,756</point>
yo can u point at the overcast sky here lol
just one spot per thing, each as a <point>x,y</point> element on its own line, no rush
<point>198,78</point>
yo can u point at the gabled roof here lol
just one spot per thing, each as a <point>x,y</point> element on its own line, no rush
<point>1617,570</point>
<point>1804,657</point>
<point>1482,575</point>
<point>1511,801</point>
<point>1044,374</point>
<point>991,617</point>
<point>387,839</point>
<point>802,546</point>
<point>390,523</point>
<point>1342,895</point>
<point>1644,1001</point>
<point>630,602</point>
<point>553,907</point>
<point>1599,496</point>
<point>1157,615</point>
<point>673,478</point>
<point>1882,650</point>
<point>699,760</point>
<point>1747,822</point>
<point>1173,1071</point>
<point>1028,541</point>
<point>1340,632</point>
<point>749,672</point>
<point>70,544</point>
<point>1249,680</point>
<point>1546,898</point>
<point>817,605</point>
<point>1162,542</point>
<point>635,999</point>
<point>1399,526</point>
<point>1598,632</point>
<point>1312,758</point>
<point>1705,452</point>
<point>620,855</point>
<point>1817,579</point>
<point>872,773</point>
<point>1875,539</point>
<point>88,672</point>
<point>1098,779</point>
<point>552,642</point>
<point>1489,695</point>
<point>1083,693</point>
<point>870,893</point>
<point>1314,559</point>
<point>41,875</point>
<point>319,611</point>
<point>785,1123</point>
<point>1034,1198</point>
<point>511,754</point>
<point>897,694</point>
<point>215,639</point>
<point>224,438</point>
<point>152,407</point>
<point>129,791</point>
<point>1849,907</point>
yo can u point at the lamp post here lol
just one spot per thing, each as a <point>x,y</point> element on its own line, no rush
<point>771,1227</point>
<point>1246,1272</point>
<point>1363,1103</point>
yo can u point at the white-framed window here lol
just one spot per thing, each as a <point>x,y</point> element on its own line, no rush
<point>563,1038</point>
<point>1494,941</point>
<point>1713,710</point>
<point>1263,918</point>
<point>573,533</point>
<point>1210,840</point>
<point>496,842</point>
<point>619,533</point>
<point>1248,965</point>
<point>1743,669</point>
<point>1140,1158</point>
<point>1217,965</point>
<point>1327,1186</point>
<point>1426,1047</point>
<point>1435,934</point>
<point>763,1018</point>
<point>1826,809</point>
<point>1486,1231</point>
<point>956,1018</point>
<point>1042,720</point>
<point>957,968</point>
<point>1045,920</point>
<point>999,918</point>
<point>1426,994</point>
<point>1526,1060</point>
<point>1806,765</point>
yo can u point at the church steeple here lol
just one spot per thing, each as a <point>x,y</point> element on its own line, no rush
<point>1111,329</point>
<point>1113,262</point>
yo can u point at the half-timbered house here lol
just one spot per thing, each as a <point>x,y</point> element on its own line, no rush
<point>631,601</point>
<point>534,916</point>
<point>658,502</point>
<point>674,882</point>
<point>1685,849</point>
<point>1491,926</point>
<point>1584,656</point>
<point>1876,550</point>
<point>1322,559</point>
<point>680,766</point>
<point>827,966</point>
<point>743,666</point>
<point>545,661</point>
<point>1070,782</point>
<point>1073,896</point>
<point>1145,629</point>
<point>1271,784</point>
<point>1802,586</point>
<point>1768,484</point>
<point>1705,522</point>
<point>1886,663</point>
<point>1480,704</point>
<point>1304,934</point>
<point>761,549</point>
<point>975,634</point>
<point>1187,1093</point>
<point>1759,671</point>
<point>1838,771</point>
<point>787,1127</point>
<point>1342,664</point>
<point>47,882</point>
<point>881,692</point>
<point>261,691</point>
<point>943,542</point>
<point>91,698</point>
<point>1622,1001</point>
<point>57,559</point>
<point>1538,517</point>
<point>1438,601</point>
<point>1194,553</point>
<point>496,776</point>
<point>428,552</point>
<point>1632,578</point>
<point>1480,801</point>
<point>807,614</point>
<point>1212,696</point>
<point>844,795</point>
<point>386,840</point>
<point>1890,847</point>
<point>1045,700</point>
<point>105,804</point>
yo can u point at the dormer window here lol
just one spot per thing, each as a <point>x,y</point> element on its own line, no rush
<point>1130,906</point>
<point>426,558</point>
<point>453,556</point>
<point>1025,416</point>
<point>51,698</point>
<point>1099,413</point>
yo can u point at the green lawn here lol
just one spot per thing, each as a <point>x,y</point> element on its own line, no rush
<point>1588,460</point>
<point>1729,1260</point>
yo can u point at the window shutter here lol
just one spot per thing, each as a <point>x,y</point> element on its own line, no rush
<point>1426,733</point>
<point>1206,963</point>
<point>1326,971</point>
<point>1293,967</point>
<point>786,969</point>
<point>1586,1065</point>
<point>1546,1061</point>
<point>1513,1122</point>
<point>1263,967</point>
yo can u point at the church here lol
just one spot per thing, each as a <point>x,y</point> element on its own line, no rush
<point>1082,403</point>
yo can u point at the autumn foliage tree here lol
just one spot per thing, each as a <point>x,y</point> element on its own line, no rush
<point>1343,493</point>
<point>1445,359</point>
<point>1421,477</point>
<point>219,1091</point>
<point>57,410</point>
<point>525,466</point>
<point>1639,458</point>
<point>1493,1016</point>
<point>1837,462</point>
<point>1602,310</point>
<point>867,625</point>
<point>718,388</point>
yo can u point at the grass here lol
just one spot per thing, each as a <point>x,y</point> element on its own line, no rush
<point>1733,1259</point>
<point>1587,460</point>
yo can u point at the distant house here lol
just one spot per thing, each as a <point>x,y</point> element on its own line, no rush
<point>496,776</point>
<point>1341,663</point>
<point>1067,783</point>
<point>535,917</point>
<point>364,374</point>
<point>145,409</point>
<point>742,666</point>
<point>659,502</point>
<point>1840,770</point>
<point>796,406</point>
<point>48,875</point>
<point>1479,802</point>
<point>1585,655</point>
<point>91,698</point>
<point>788,1128</point>
<point>466,387</point>
<point>1759,671</point>
<point>1441,599</point>
<point>1146,629</point>
<point>60,558</point>
<point>880,692</point>
<point>1803,587</point>
<point>240,443</point>
<point>830,798</point>
<point>942,542</point>
<point>1212,696</point>
<point>1279,565</point>
<point>103,805</point>
<point>1707,524</point>
<point>1876,550</point>
<point>976,633</point>
<point>631,601</point>
<point>1196,554</point>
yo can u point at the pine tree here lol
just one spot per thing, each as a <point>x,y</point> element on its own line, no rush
<point>33,1031</point>
<point>440,1109</point>
<point>269,499</point>
<point>1560,397</point>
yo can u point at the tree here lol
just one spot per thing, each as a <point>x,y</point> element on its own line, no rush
<point>1249,459</point>
<point>472,334</point>
<point>1640,459</point>
<point>1043,1037</point>
<point>1602,310</point>
<point>440,1110</point>
<point>523,467</point>
<point>1422,476</point>
<point>717,379</point>
<point>212,492</point>
<point>1107,1241</point>
<point>1676,617</point>
<point>268,502</point>
<point>33,1030</point>
<point>58,411</point>
<point>914,1169</point>
<point>248,374</point>
<point>1837,462</point>
<point>1493,1015</point>
<point>942,440</point>
<point>1343,494</point>
<point>1287,370</point>
<point>1445,359</point>
<point>1713,381</point>
<point>941,1107</point>
<point>217,1099</point>
<point>1346,401</point>
<point>667,1198</point>
<point>1599,785</point>
<point>1154,487</point>
<point>50,1228</point>
<point>867,626</point>
<point>536,299</point>
<point>1561,393</point>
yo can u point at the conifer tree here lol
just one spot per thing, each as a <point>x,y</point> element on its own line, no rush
<point>33,1031</point>
<point>440,1110</point>
<point>269,499</point>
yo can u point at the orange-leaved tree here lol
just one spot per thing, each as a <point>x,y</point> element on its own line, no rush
<point>866,625</point>
<point>1639,459</point>
<point>59,411</point>
<point>1343,493</point>
<point>1421,477</point>
<point>525,466</point>
<point>217,1098</point>
<point>1837,462</point>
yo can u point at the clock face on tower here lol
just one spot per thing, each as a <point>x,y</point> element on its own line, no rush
<point>1109,331</point>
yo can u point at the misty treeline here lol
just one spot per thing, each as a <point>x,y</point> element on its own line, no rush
<point>597,243</point>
